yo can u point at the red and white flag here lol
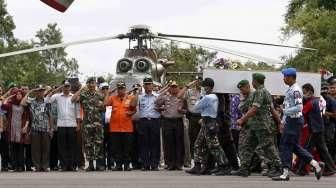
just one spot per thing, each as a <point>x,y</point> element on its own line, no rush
<point>60,5</point>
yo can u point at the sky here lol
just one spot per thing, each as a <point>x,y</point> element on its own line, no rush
<point>259,20</point>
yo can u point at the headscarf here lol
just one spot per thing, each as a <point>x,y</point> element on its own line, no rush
<point>15,92</point>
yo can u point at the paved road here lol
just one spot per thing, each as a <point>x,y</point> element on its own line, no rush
<point>139,179</point>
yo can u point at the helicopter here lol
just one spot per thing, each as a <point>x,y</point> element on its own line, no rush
<point>141,60</point>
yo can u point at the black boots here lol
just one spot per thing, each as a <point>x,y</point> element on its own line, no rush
<point>90,168</point>
<point>196,170</point>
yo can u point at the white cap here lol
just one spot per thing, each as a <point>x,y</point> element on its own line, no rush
<point>104,84</point>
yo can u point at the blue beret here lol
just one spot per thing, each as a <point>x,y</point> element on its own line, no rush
<point>289,72</point>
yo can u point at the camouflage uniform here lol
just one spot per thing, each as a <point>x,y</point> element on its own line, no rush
<point>208,142</point>
<point>93,132</point>
<point>258,135</point>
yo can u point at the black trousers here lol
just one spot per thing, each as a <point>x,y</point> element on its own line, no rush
<point>53,160</point>
<point>121,147</point>
<point>108,151</point>
<point>40,147</point>
<point>136,162</point>
<point>194,128</point>
<point>28,157</point>
<point>17,153</point>
<point>67,147</point>
<point>149,142</point>
<point>235,136</point>
<point>80,160</point>
<point>331,144</point>
<point>4,152</point>
<point>173,141</point>
<point>317,140</point>
<point>228,144</point>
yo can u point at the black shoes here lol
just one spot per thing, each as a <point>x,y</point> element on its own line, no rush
<point>127,168</point>
<point>118,168</point>
<point>319,174</point>
<point>281,178</point>
<point>100,168</point>
<point>239,173</point>
<point>90,168</point>
<point>196,170</point>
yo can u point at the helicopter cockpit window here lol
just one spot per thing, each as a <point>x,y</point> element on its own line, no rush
<point>124,65</point>
<point>142,65</point>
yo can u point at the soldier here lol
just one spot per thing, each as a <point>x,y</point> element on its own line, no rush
<point>258,137</point>
<point>92,102</point>
<point>291,124</point>
<point>207,138</point>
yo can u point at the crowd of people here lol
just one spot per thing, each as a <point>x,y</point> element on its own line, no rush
<point>98,128</point>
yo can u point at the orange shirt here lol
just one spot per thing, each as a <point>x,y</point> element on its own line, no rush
<point>120,121</point>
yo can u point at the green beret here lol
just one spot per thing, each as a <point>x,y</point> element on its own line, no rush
<point>258,77</point>
<point>242,83</point>
<point>90,79</point>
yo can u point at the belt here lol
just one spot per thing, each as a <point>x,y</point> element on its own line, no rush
<point>172,118</point>
<point>194,114</point>
<point>148,118</point>
<point>295,116</point>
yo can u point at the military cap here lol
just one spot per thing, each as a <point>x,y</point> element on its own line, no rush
<point>258,77</point>
<point>208,82</point>
<point>332,80</point>
<point>103,85</point>
<point>40,87</point>
<point>90,79</point>
<point>67,83</point>
<point>147,80</point>
<point>289,71</point>
<point>173,83</point>
<point>242,83</point>
<point>121,84</point>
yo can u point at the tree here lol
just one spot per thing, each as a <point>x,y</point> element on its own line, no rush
<point>186,59</point>
<point>6,27</point>
<point>55,60</point>
<point>46,67</point>
<point>315,21</point>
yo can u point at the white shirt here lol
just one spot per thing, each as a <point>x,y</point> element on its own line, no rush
<point>67,111</point>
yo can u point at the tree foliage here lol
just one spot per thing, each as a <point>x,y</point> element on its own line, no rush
<point>46,67</point>
<point>190,59</point>
<point>315,21</point>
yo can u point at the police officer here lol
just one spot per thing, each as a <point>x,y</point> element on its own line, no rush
<point>258,138</point>
<point>292,124</point>
<point>207,139</point>
<point>192,95</point>
<point>149,128</point>
<point>92,102</point>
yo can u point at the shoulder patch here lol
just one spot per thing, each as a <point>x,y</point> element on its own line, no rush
<point>297,94</point>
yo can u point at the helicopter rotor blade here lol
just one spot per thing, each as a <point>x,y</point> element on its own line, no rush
<point>61,45</point>
<point>233,40</point>
<point>227,51</point>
